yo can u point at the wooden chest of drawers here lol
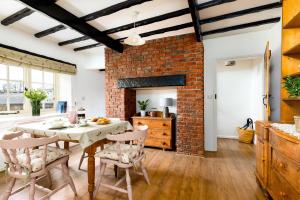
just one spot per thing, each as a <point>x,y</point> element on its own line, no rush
<point>278,162</point>
<point>160,132</point>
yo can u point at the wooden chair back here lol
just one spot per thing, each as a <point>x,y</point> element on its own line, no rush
<point>136,138</point>
<point>18,142</point>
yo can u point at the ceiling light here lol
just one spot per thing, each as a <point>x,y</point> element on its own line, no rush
<point>134,39</point>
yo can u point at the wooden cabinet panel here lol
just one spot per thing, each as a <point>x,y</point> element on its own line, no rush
<point>154,142</point>
<point>281,189</point>
<point>260,162</point>
<point>289,169</point>
<point>261,130</point>
<point>158,133</point>
<point>154,124</point>
<point>287,147</point>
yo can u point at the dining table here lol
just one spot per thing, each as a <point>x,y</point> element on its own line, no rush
<point>90,137</point>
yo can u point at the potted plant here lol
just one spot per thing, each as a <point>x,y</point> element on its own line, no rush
<point>292,86</point>
<point>143,106</point>
<point>36,96</point>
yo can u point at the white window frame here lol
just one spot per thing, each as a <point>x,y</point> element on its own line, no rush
<point>28,84</point>
<point>8,80</point>
<point>55,86</point>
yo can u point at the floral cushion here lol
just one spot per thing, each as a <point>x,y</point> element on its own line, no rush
<point>127,153</point>
<point>36,156</point>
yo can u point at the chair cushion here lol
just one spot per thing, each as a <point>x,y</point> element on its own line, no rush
<point>128,154</point>
<point>36,156</point>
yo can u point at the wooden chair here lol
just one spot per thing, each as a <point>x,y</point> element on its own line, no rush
<point>84,154</point>
<point>124,156</point>
<point>25,161</point>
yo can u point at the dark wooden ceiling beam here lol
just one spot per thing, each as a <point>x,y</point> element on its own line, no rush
<point>17,16</point>
<point>168,29</point>
<point>241,13</point>
<point>242,26</point>
<point>159,18</point>
<point>195,18</point>
<point>190,24</point>
<point>212,3</point>
<point>50,31</point>
<point>149,21</point>
<point>88,47</point>
<point>166,16</point>
<point>113,9</point>
<point>83,38</point>
<point>60,14</point>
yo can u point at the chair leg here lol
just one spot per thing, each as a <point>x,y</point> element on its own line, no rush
<point>8,190</point>
<point>68,177</point>
<point>49,179</point>
<point>102,167</point>
<point>145,173</point>
<point>81,159</point>
<point>129,189</point>
<point>32,189</point>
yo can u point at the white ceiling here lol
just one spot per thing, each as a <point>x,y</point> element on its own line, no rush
<point>37,21</point>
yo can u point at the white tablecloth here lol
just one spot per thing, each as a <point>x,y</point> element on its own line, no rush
<point>86,136</point>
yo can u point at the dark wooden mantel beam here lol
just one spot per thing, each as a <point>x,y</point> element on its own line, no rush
<point>50,8</point>
<point>195,18</point>
<point>17,16</point>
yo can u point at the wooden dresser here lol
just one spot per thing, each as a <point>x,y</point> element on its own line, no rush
<point>160,133</point>
<point>278,163</point>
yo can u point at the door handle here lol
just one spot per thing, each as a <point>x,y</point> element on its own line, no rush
<point>264,100</point>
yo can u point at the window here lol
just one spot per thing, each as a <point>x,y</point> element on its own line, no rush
<point>44,80</point>
<point>11,88</point>
<point>13,80</point>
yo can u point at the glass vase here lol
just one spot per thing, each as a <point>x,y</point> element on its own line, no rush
<point>36,108</point>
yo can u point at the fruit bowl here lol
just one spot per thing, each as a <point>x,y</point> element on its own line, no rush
<point>101,121</point>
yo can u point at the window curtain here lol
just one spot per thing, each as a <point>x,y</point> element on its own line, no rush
<point>16,58</point>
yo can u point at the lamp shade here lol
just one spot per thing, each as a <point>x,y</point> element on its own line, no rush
<point>134,40</point>
<point>165,102</point>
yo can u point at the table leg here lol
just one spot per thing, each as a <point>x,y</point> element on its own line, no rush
<point>67,147</point>
<point>91,169</point>
<point>116,169</point>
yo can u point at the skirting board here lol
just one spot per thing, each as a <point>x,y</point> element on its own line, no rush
<point>228,136</point>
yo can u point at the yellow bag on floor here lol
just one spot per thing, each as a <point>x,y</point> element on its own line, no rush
<point>245,136</point>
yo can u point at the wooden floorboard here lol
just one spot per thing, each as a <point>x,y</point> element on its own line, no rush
<point>225,175</point>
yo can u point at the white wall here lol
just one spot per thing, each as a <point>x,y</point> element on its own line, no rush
<point>241,45</point>
<point>239,89</point>
<point>155,95</point>
<point>89,91</point>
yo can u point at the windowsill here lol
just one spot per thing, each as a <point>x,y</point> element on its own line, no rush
<point>22,117</point>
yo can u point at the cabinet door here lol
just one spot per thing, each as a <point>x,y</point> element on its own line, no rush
<point>266,96</point>
<point>260,161</point>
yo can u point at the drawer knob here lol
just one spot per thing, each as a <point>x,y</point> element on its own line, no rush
<point>165,134</point>
<point>283,194</point>
<point>281,165</point>
<point>164,124</point>
<point>164,143</point>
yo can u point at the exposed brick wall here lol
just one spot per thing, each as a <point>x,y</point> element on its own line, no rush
<point>165,56</point>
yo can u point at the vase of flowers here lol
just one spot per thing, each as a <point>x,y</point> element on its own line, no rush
<point>143,106</point>
<point>35,96</point>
